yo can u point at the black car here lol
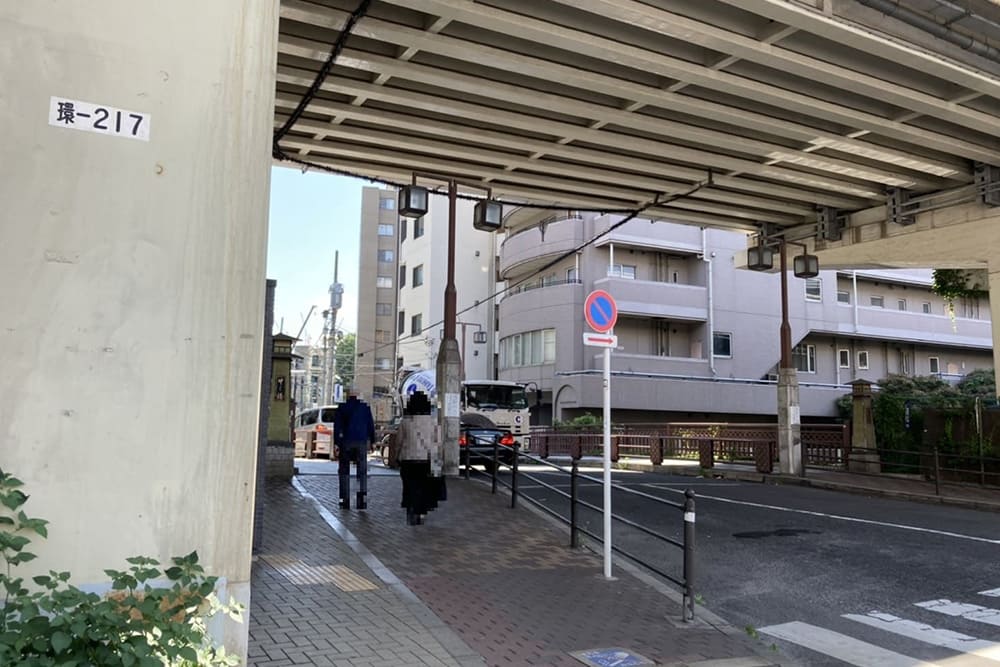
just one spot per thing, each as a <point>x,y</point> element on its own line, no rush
<point>477,436</point>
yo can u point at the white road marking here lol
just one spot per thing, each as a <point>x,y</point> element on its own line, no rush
<point>850,650</point>
<point>824,515</point>
<point>995,593</point>
<point>970,612</point>
<point>955,641</point>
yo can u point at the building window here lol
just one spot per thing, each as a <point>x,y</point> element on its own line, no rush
<point>316,361</point>
<point>622,271</point>
<point>387,204</point>
<point>901,304</point>
<point>878,302</point>
<point>386,230</point>
<point>383,336</point>
<point>843,296</point>
<point>969,309</point>
<point>571,275</point>
<point>926,307</point>
<point>416,324</point>
<point>418,228</point>
<point>383,281</point>
<point>402,229</point>
<point>401,322</point>
<point>844,358</point>
<point>418,275</point>
<point>722,344</point>
<point>531,348</point>
<point>402,276</point>
<point>386,256</point>
<point>804,358</point>
<point>814,289</point>
<point>935,365</point>
<point>383,309</point>
<point>383,364</point>
<point>863,360</point>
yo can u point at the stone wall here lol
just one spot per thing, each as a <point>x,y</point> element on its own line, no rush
<point>279,459</point>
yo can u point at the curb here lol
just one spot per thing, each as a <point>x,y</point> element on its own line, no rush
<point>765,478</point>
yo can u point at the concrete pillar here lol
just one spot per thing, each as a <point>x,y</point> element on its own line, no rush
<point>132,279</point>
<point>789,423</point>
<point>449,383</point>
<point>994,287</point>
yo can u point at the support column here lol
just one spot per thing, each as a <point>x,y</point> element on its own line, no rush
<point>789,417</point>
<point>994,287</point>
<point>132,297</point>
<point>449,360</point>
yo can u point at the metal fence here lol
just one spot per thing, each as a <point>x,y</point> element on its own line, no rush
<point>687,544</point>
<point>824,445</point>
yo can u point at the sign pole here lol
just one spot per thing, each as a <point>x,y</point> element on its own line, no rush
<point>601,312</point>
<point>607,463</point>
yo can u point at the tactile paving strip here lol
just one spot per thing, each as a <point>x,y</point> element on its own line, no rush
<point>299,573</point>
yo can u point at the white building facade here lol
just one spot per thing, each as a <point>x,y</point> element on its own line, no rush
<point>698,336</point>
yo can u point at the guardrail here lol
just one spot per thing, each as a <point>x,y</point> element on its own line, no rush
<point>686,545</point>
<point>929,465</point>
<point>824,445</point>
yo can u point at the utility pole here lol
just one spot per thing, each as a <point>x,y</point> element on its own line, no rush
<point>330,337</point>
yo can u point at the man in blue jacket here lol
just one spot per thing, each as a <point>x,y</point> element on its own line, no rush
<point>353,432</point>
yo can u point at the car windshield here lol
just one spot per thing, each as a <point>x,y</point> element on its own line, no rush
<point>504,397</point>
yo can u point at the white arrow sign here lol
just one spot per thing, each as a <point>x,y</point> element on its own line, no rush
<point>600,340</point>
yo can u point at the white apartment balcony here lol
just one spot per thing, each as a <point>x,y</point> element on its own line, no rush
<point>653,364</point>
<point>560,300</point>
<point>675,301</point>
<point>916,327</point>
<point>528,250</point>
<point>683,239</point>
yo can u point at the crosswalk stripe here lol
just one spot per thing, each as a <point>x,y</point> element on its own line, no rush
<point>956,641</point>
<point>971,612</point>
<point>849,650</point>
<point>995,593</point>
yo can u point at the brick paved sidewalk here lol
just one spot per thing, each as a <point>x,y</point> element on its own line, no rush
<point>478,579</point>
<point>316,601</point>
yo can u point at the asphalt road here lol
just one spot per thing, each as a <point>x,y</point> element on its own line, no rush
<point>772,558</point>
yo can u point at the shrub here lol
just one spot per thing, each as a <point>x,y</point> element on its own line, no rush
<point>137,624</point>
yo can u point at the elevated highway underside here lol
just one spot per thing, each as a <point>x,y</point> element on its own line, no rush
<point>785,113</point>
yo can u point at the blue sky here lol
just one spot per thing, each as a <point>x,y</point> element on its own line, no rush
<point>312,216</point>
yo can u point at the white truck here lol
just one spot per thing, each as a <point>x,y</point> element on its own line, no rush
<point>503,403</point>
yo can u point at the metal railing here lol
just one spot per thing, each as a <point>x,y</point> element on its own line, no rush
<point>824,445</point>
<point>686,544</point>
<point>941,467</point>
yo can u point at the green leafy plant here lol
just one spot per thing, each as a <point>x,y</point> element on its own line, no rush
<point>139,623</point>
<point>952,284</point>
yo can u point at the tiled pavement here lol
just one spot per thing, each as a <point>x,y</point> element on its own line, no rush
<point>478,584</point>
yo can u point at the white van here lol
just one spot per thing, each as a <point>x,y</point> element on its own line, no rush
<point>314,433</point>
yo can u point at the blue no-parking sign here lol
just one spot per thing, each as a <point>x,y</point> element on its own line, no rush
<point>600,311</point>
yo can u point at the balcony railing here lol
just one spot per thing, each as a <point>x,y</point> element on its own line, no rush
<point>527,287</point>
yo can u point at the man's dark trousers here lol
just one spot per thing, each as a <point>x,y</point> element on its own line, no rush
<point>358,452</point>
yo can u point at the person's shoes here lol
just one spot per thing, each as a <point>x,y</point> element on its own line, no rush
<point>345,504</point>
<point>361,501</point>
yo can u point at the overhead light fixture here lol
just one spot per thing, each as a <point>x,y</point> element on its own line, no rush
<point>805,266</point>
<point>487,215</point>
<point>760,258</point>
<point>413,201</point>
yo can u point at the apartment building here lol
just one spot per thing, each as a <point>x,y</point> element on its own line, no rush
<point>377,295</point>
<point>698,336</point>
